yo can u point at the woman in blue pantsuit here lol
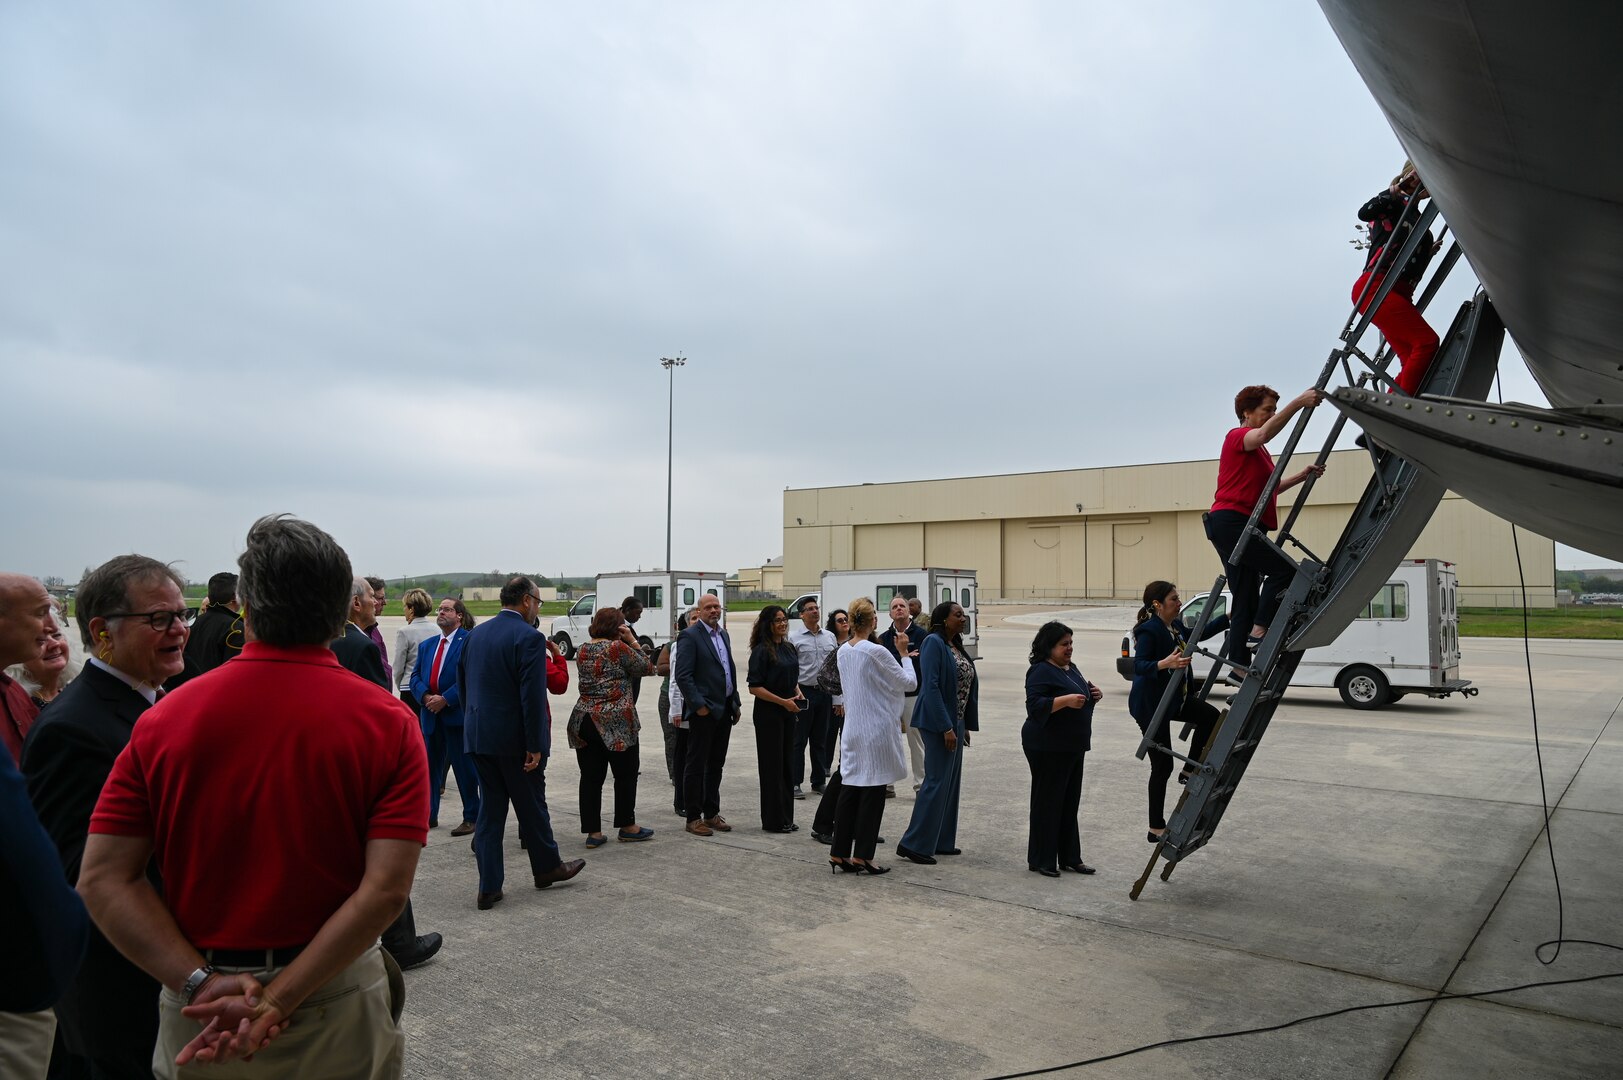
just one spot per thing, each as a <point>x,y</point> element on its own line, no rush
<point>946,712</point>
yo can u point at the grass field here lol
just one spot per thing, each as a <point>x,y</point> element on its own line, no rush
<point>1568,622</point>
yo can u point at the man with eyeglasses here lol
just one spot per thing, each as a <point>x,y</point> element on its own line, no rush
<point>814,723</point>
<point>286,804</point>
<point>507,731</point>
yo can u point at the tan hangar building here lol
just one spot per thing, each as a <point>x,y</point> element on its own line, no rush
<point>1104,533</point>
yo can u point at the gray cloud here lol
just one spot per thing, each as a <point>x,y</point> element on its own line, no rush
<point>407,269</point>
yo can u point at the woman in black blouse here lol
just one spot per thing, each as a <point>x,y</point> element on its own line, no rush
<point>774,674</point>
<point>1056,737</point>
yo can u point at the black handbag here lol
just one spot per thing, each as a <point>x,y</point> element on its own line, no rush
<point>828,676</point>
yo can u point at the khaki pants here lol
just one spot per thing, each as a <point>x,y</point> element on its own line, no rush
<point>344,1031</point>
<point>915,742</point>
<point>25,1044</point>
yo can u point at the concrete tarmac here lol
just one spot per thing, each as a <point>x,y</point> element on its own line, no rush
<point>1368,857</point>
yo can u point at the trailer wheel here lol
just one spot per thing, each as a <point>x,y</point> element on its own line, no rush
<point>1364,687</point>
<point>563,642</point>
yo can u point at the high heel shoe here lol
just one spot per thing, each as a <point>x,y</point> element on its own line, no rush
<point>870,868</point>
<point>842,866</point>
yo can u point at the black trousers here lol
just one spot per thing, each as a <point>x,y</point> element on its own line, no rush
<point>1204,716</point>
<point>813,725</point>
<point>774,750</point>
<point>707,753</point>
<point>596,759</point>
<point>679,765</point>
<point>1055,837</point>
<point>827,807</point>
<point>400,937</point>
<point>669,734</point>
<point>1257,581</point>
<point>856,822</point>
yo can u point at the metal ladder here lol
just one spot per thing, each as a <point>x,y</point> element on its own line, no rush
<point>1324,594</point>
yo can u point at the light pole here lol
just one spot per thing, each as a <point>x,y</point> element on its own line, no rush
<point>670,364</point>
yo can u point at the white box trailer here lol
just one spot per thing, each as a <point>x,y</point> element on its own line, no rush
<point>932,585</point>
<point>664,596</point>
<point>1407,641</point>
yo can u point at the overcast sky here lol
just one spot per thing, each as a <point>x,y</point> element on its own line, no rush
<point>407,269</point>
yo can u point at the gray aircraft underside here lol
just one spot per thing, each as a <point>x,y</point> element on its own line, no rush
<point>1512,113</point>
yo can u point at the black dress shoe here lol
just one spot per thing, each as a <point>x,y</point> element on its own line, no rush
<point>1079,868</point>
<point>822,837</point>
<point>562,872</point>
<point>914,856</point>
<point>1043,870</point>
<point>421,950</point>
<point>488,900</point>
<point>949,851</point>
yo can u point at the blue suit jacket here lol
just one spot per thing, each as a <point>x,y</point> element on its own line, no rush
<point>451,715</point>
<point>502,676</point>
<point>700,677</point>
<point>1152,643</point>
<point>937,708</point>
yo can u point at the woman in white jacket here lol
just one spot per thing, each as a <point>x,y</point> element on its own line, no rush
<point>872,748</point>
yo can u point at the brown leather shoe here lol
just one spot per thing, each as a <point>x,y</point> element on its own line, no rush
<point>718,823</point>
<point>464,829</point>
<point>488,900</point>
<point>561,872</point>
<point>698,828</point>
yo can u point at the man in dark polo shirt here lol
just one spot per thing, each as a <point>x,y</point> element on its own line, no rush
<point>286,802</point>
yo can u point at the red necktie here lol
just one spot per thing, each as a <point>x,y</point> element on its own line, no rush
<point>434,672</point>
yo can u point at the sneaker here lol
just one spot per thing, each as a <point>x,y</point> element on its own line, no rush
<point>798,793</point>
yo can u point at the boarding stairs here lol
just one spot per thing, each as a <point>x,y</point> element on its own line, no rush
<point>1327,593</point>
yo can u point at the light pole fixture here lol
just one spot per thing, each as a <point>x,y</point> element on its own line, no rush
<point>670,364</point>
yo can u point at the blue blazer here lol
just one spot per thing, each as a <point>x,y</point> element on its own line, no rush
<point>937,708</point>
<point>451,715</point>
<point>1152,643</point>
<point>700,677</point>
<point>502,679</point>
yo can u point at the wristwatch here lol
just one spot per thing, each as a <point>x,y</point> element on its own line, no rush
<point>194,983</point>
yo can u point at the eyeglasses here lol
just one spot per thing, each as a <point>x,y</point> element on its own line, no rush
<point>160,621</point>
<point>841,618</point>
<point>781,620</point>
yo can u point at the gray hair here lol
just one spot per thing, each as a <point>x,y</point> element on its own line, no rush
<point>360,589</point>
<point>21,674</point>
<point>106,589</point>
<point>295,582</point>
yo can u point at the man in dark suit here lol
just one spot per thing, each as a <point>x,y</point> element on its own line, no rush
<point>706,675</point>
<point>433,683</point>
<point>216,629</point>
<point>354,648</point>
<point>131,616</point>
<point>507,728</point>
<point>356,652</point>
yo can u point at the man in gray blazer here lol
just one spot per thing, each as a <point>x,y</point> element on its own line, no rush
<point>708,679</point>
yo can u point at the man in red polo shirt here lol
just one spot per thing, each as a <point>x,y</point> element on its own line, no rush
<point>286,803</point>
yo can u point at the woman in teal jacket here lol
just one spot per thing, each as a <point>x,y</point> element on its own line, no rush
<point>945,714</point>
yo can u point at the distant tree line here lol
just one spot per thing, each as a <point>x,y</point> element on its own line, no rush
<point>1580,583</point>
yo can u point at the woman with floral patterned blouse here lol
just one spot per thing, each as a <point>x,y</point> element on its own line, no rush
<point>603,726</point>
